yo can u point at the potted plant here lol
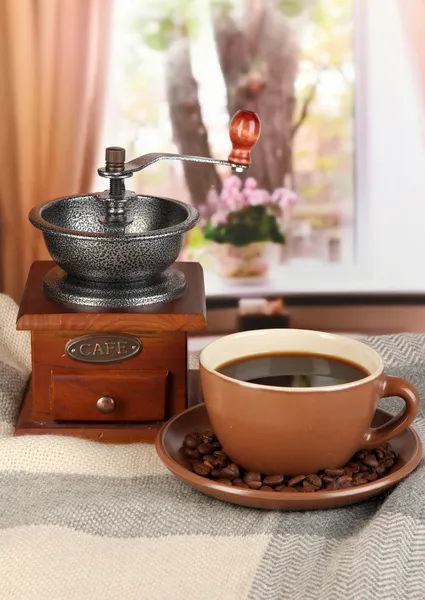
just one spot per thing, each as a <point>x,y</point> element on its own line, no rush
<point>243,226</point>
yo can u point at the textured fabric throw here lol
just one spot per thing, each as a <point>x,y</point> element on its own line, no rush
<point>81,520</point>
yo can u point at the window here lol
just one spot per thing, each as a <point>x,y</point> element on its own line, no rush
<point>321,74</point>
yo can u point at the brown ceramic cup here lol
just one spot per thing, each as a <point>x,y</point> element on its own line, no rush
<point>278,430</point>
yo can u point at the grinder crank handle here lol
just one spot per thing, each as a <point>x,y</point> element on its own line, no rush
<point>244,132</point>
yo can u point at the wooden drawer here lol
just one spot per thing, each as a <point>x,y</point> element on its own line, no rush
<point>136,396</point>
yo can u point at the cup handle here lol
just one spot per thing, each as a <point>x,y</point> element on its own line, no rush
<point>395,386</point>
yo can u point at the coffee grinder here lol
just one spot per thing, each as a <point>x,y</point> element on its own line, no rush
<point>110,314</point>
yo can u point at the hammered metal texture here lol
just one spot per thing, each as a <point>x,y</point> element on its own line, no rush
<point>93,251</point>
<point>165,287</point>
<point>107,263</point>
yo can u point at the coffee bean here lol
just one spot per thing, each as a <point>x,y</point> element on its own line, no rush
<point>208,436</point>
<point>220,454</point>
<point>252,476</point>
<point>234,467</point>
<point>190,441</point>
<point>273,480</point>
<point>230,472</point>
<point>354,466</point>
<point>200,468</point>
<point>334,472</point>
<point>371,461</point>
<point>359,481</point>
<point>296,480</point>
<point>331,485</point>
<point>205,448</point>
<point>254,485</point>
<point>208,460</point>
<point>225,474</point>
<point>192,453</point>
<point>309,487</point>
<point>314,480</point>
<point>380,469</point>
<point>224,482</point>
<point>344,481</point>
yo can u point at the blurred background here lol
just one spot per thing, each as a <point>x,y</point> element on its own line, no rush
<point>326,229</point>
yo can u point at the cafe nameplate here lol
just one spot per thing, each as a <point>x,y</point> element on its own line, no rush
<point>103,348</point>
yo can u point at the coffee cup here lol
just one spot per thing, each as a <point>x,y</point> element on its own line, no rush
<point>292,430</point>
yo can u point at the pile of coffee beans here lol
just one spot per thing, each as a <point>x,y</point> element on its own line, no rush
<point>204,452</point>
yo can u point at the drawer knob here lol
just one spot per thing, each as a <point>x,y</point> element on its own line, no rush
<point>105,405</point>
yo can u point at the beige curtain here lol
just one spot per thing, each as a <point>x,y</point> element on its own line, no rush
<point>412,14</point>
<point>53,64</point>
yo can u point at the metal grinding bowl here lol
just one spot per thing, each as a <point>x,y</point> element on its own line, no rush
<point>116,248</point>
<point>131,257</point>
<point>90,250</point>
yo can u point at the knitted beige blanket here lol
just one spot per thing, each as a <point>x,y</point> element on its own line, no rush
<point>81,520</point>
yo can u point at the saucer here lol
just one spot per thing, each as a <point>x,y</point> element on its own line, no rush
<point>169,441</point>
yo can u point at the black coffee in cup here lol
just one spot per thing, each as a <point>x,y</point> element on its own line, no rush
<point>298,370</point>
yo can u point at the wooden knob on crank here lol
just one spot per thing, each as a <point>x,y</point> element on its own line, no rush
<point>244,131</point>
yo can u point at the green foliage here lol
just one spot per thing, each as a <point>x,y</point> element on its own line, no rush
<point>252,224</point>
<point>310,192</point>
<point>322,148</point>
<point>156,34</point>
<point>332,21</point>
<point>225,6</point>
<point>291,8</point>
<point>167,18</point>
<point>195,237</point>
<point>327,162</point>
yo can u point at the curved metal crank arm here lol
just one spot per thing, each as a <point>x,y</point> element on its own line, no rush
<point>244,132</point>
<point>137,164</point>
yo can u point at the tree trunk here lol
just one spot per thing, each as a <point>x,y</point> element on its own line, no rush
<point>189,132</point>
<point>258,54</point>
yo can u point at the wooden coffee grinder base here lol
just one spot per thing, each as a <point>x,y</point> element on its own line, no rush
<point>113,375</point>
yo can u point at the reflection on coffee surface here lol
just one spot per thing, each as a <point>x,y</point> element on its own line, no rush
<point>293,370</point>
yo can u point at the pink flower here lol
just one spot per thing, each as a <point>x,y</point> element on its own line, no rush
<point>219,218</point>
<point>231,199</point>
<point>258,197</point>
<point>246,195</point>
<point>232,183</point>
<point>284,197</point>
<point>250,184</point>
